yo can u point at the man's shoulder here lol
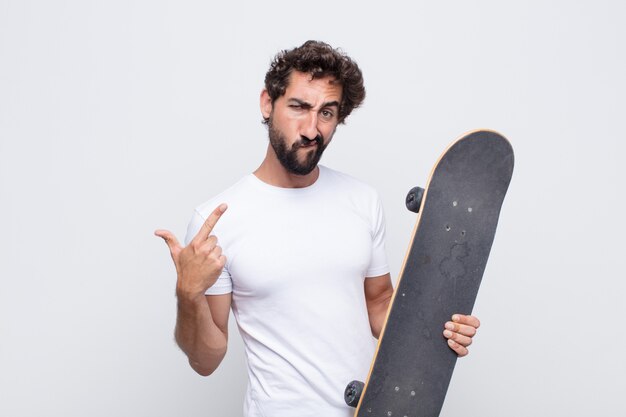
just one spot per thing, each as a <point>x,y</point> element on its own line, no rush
<point>236,191</point>
<point>234,196</point>
<point>348,182</point>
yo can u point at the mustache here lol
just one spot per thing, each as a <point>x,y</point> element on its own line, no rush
<point>306,141</point>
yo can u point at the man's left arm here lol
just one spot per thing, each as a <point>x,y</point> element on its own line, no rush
<point>378,293</point>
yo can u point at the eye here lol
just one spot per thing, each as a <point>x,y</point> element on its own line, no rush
<point>327,114</point>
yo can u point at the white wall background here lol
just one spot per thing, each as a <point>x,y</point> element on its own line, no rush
<point>119,117</point>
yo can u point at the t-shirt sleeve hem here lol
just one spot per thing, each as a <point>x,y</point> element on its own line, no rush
<point>376,272</point>
<point>223,285</point>
<point>219,290</point>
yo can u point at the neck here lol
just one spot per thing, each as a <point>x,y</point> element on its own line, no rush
<point>272,172</point>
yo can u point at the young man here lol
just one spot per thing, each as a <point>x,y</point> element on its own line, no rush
<point>303,268</point>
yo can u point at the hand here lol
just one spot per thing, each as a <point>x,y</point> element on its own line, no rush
<point>199,264</point>
<point>460,331</point>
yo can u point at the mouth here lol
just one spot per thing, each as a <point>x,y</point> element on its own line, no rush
<point>309,143</point>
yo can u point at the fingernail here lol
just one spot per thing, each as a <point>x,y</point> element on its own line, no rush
<point>449,326</point>
<point>447,333</point>
<point>451,342</point>
<point>456,317</point>
<point>223,207</point>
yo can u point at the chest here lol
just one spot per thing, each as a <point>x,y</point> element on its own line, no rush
<point>299,244</point>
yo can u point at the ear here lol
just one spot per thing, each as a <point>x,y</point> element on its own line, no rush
<point>266,104</point>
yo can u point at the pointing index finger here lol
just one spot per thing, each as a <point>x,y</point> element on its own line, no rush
<point>210,223</point>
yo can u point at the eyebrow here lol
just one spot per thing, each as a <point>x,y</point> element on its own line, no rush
<point>309,105</point>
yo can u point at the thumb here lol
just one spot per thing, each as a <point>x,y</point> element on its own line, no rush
<point>170,240</point>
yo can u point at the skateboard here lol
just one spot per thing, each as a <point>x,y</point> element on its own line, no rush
<point>458,214</point>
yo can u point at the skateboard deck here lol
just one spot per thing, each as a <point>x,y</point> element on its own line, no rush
<point>441,274</point>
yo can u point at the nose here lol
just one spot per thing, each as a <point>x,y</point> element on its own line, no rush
<point>309,126</point>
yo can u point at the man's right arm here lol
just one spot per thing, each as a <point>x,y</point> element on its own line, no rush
<point>202,321</point>
<point>202,330</point>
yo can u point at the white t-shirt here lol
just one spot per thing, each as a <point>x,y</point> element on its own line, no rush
<point>296,263</point>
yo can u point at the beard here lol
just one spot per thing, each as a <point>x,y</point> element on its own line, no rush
<point>288,157</point>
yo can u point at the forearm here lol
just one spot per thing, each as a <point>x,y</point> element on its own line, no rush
<point>198,336</point>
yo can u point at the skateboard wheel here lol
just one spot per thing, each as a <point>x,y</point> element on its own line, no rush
<point>353,392</point>
<point>414,199</point>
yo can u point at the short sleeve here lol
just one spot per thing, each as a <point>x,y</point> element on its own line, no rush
<point>224,283</point>
<point>378,261</point>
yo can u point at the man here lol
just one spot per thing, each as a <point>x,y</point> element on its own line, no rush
<point>306,274</point>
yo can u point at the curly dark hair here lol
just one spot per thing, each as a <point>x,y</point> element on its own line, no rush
<point>319,60</point>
